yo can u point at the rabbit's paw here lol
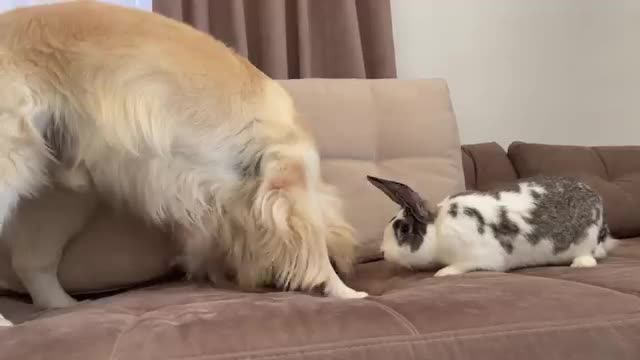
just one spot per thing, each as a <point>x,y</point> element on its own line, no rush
<point>584,261</point>
<point>450,270</point>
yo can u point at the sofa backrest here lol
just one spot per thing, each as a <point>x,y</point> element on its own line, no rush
<point>486,166</point>
<point>613,171</point>
<point>403,130</point>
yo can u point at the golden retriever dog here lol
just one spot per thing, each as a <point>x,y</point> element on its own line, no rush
<point>169,122</point>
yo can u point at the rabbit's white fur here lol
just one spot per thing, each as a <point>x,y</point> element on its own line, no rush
<point>455,243</point>
<point>172,123</point>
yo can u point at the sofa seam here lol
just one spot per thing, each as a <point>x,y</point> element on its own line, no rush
<point>474,161</point>
<point>125,330</point>
<point>604,164</point>
<point>580,283</point>
<point>432,340</point>
<point>401,318</point>
<point>424,338</point>
<point>376,150</point>
<point>139,318</point>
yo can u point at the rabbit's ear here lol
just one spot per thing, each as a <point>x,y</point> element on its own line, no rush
<point>402,195</point>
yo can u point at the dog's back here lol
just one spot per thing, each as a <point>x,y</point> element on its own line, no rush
<point>177,125</point>
<point>121,83</point>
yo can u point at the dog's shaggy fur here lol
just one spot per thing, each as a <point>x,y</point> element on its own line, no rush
<point>169,122</point>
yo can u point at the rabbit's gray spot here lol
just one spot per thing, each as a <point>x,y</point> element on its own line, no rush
<point>603,233</point>
<point>464,193</point>
<point>505,230</point>
<point>535,194</point>
<point>495,193</point>
<point>563,213</point>
<point>453,210</point>
<point>505,188</point>
<point>410,231</point>
<point>474,213</point>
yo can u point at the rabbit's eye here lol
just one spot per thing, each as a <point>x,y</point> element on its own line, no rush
<point>404,228</point>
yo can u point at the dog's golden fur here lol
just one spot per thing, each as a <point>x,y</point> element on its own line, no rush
<point>170,122</point>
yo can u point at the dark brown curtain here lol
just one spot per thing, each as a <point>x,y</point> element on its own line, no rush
<point>290,39</point>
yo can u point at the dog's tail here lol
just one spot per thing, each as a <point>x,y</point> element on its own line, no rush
<point>301,217</point>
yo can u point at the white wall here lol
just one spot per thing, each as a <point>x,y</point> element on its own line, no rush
<point>6,5</point>
<point>551,71</point>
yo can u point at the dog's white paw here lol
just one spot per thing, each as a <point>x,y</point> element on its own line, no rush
<point>54,301</point>
<point>60,304</point>
<point>342,291</point>
<point>584,261</point>
<point>351,294</point>
<point>4,322</point>
<point>357,295</point>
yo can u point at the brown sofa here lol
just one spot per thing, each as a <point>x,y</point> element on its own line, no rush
<point>539,313</point>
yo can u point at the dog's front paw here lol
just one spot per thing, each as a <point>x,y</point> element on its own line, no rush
<point>359,295</point>
<point>344,292</point>
<point>350,294</point>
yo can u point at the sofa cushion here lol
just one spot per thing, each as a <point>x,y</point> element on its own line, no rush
<point>614,172</point>
<point>482,315</point>
<point>113,250</point>
<point>398,129</point>
<point>486,166</point>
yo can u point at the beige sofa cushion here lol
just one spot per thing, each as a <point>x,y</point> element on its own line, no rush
<point>113,250</point>
<point>399,129</point>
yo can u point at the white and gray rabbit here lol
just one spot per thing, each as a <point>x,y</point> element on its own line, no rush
<point>538,221</point>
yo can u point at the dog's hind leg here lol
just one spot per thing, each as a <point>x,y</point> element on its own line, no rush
<point>37,236</point>
<point>22,164</point>
<point>24,155</point>
<point>24,161</point>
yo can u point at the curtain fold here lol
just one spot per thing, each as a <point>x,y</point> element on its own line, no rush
<point>290,39</point>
